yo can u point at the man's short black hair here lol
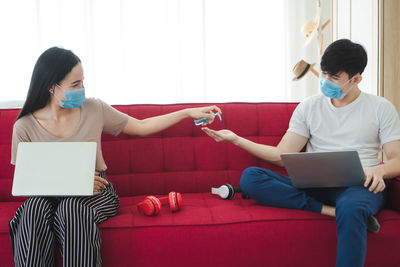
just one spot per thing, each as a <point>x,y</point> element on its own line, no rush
<point>344,56</point>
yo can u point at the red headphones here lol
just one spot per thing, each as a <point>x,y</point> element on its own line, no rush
<point>151,205</point>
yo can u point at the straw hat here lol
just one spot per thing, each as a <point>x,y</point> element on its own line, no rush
<point>301,69</point>
<point>310,28</point>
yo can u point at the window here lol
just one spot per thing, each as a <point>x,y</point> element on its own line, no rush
<point>159,51</point>
<point>170,51</point>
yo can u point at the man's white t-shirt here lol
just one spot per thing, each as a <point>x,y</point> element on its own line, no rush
<point>364,125</point>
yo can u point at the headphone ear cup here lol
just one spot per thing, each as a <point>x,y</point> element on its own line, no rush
<point>231,191</point>
<point>156,203</point>
<point>175,201</point>
<point>146,207</point>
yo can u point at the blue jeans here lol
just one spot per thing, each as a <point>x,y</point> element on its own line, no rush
<point>353,207</point>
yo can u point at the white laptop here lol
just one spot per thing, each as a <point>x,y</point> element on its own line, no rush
<point>54,169</point>
<point>324,169</point>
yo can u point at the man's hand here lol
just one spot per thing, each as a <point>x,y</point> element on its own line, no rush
<point>221,135</point>
<point>99,184</point>
<point>374,179</point>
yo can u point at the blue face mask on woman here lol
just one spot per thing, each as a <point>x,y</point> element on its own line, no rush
<point>331,89</point>
<point>73,98</point>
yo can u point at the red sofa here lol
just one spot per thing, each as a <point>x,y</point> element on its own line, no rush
<point>208,231</point>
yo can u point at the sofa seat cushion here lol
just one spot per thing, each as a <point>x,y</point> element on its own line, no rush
<point>235,232</point>
<point>208,221</point>
<point>202,209</point>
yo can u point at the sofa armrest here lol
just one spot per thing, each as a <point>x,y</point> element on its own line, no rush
<point>394,194</point>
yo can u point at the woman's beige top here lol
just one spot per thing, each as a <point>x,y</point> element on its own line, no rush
<point>96,117</point>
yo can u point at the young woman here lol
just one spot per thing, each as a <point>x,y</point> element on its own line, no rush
<point>56,111</point>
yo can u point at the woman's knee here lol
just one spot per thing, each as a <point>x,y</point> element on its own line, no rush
<point>71,209</point>
<point>38,206</point>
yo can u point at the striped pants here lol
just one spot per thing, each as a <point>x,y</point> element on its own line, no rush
<point>72,221</point>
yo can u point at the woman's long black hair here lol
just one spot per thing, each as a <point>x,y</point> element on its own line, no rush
<point>51,68</point>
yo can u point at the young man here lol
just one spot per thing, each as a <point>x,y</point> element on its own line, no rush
<point>341,118</point>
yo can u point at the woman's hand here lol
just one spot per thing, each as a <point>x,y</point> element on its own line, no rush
<point>99,184</point>
<point>203,112</point>
<point>221,135</point>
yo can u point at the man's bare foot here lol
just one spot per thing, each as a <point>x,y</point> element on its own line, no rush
<point>328,210</point>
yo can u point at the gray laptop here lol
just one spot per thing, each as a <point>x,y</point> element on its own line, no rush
<point>54,169</point>
<point>324,169</point>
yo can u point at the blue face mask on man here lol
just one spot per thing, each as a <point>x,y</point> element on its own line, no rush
<point>73,98</point>
<point>331,89</point>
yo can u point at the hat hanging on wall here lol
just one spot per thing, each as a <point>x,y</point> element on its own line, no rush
<point>310,28</point>
<point>301,69</point>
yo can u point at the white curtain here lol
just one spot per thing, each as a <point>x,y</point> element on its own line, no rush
<point>162,51</point>
<point>358,20</point>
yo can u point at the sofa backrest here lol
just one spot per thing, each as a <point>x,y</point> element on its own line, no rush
<point>182,158</point>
